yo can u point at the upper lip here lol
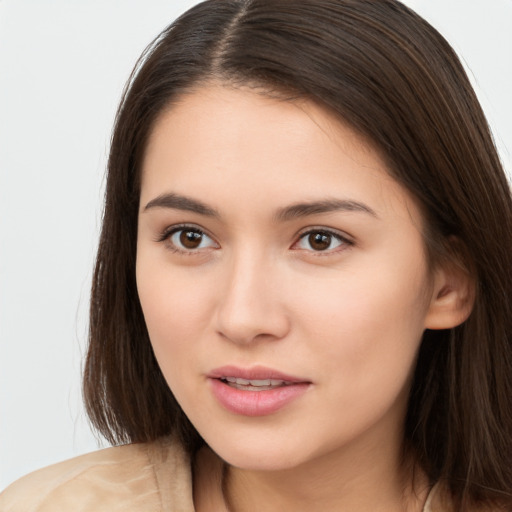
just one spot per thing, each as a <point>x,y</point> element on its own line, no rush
<point>254,373</point>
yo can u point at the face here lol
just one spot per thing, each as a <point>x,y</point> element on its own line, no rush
<point>283,278</point>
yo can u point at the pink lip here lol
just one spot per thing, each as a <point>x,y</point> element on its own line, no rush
<point>255,403</point>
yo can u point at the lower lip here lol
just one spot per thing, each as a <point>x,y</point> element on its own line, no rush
<point>256,403</point>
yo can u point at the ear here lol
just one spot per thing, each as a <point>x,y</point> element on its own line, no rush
<point>453,295</point>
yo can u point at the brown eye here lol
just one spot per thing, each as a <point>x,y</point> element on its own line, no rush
<point>319,241</point>
<point>190,239</point>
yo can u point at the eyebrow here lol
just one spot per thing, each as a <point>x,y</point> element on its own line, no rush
<point>299,210</point>
<point>294,211</point>
<point>179,202</point>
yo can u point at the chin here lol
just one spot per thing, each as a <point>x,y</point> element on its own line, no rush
<point>259,461</point>
<point>263,454</point>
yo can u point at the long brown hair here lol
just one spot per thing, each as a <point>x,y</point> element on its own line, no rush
<point>393,78</point>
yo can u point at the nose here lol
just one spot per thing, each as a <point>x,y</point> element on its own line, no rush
<point>250,305</point>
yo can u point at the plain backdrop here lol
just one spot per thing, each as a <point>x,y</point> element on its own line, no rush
<point>63,64</point>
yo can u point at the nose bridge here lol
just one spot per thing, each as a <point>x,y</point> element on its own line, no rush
<point>250,305</point>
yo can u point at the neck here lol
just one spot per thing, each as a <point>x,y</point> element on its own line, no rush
<point>360,484</point>
<point>339,481</point>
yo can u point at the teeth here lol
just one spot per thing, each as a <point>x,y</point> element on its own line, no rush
<point>267,383</point>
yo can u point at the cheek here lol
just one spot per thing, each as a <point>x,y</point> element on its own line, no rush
<point>176,309</point>
<point>368,325</point>
<point>176,315</point>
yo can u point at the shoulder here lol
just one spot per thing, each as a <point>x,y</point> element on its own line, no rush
<point>120,478</point>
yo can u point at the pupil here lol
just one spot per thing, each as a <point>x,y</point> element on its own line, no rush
<point>320,241</point>
<point>191,239</point>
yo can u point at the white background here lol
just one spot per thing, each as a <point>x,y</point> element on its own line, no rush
<point>63,64</point>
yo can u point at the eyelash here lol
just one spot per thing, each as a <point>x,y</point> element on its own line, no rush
<point>344,240</point>
<point>165,236</point>
<point>167,233</point>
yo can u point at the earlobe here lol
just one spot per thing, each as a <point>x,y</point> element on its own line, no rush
<point>453,297</point>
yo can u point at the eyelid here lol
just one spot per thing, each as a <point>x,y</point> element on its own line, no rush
<point>166,233</point>
<point>347,240</point>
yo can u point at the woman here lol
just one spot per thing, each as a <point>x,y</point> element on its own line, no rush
<point>301,297</point>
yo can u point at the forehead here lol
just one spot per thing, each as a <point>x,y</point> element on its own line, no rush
<point>229,144</point>
<point>215,116</point>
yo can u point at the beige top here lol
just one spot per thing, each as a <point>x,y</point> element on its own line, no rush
<point>154,477</point>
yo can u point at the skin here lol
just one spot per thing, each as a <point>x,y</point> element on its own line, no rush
<point>348,318</point>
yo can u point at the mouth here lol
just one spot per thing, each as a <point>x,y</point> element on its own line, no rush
<point>254,384</point>
<point>256,378</point>
<point>257,391</point>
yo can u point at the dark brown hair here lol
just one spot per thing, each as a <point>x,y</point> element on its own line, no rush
<point>395,80</point>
